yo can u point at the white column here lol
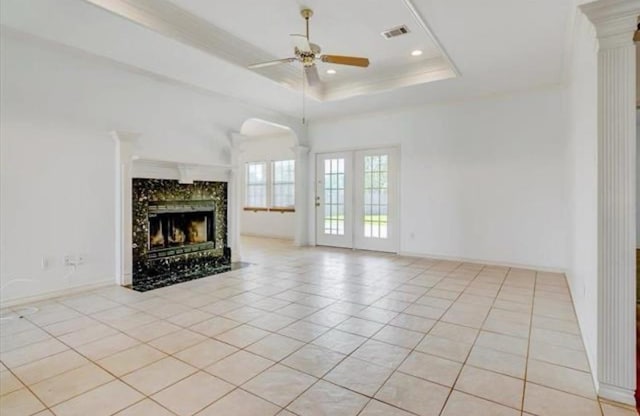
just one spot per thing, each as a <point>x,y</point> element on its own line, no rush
<point>615,21</point>
<point>302,195</point>
<point>124,142</point>
<point>234,209</point>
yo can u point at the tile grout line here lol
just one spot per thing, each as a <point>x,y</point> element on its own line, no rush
<point>444,404</point>
<point>301,284</point>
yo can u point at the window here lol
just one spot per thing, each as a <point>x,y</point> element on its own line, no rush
<point>283,186</point>
<point>270,185</point>
<point>256,185</point>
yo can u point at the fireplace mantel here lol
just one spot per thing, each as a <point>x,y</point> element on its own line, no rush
<point>181,171</point>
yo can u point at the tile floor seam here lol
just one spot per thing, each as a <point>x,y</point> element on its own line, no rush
<point>28,388</point>
<point>503,280</point>
<point>453,385</point>
<point>115,377</point>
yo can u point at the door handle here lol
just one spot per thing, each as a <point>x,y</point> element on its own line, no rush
<point>317,201</point>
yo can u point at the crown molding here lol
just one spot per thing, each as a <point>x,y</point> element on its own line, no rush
<point>427,30</point>
<point>434,69</point>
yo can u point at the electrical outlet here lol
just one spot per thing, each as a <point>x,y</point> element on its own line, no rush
<point>74,259</point>
<point>70,260</point>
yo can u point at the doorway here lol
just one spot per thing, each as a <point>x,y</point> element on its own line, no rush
<point>357,199</point>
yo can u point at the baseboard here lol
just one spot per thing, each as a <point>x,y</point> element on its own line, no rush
<point>57,293</point>
<point>483,261</point>
<point>272,236</point>
<point>616,394</point>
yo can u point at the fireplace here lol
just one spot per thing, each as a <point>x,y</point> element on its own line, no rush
<point>179,231</point>
<point>180,227</point>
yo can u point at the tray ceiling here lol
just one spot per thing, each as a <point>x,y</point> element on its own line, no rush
<point>499,46</point>
<point>249,31</point>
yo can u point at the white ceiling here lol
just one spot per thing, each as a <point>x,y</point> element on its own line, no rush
<point>341,28</point>
<point>260,128</point>
<point>497,45</point>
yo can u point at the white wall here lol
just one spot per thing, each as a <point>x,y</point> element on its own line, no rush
<point>583,173</point>
<point>57,172</point>
<point>56,200</point>
<point>267,224</point>
<point>481,179</point>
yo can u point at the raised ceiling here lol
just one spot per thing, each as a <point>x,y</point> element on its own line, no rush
<point>246,31</point>
<point>340,27</point>
<point>497,46</point>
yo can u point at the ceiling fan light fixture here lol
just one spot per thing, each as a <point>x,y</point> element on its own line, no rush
<point>331,71</point>
<point>416,52</point>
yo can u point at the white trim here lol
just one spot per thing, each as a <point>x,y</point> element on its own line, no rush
<point>425,27</point>
<point>182,171</point>
<point>616,394</point>
<point>123,159</point>
<point>271,236</point>
<point>58,293</point>
<point>483,261</point>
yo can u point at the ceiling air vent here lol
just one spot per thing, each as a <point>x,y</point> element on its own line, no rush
<point>395,31</point>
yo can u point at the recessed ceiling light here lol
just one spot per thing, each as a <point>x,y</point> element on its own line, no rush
<point>417,52</point>
<point>331,71</point>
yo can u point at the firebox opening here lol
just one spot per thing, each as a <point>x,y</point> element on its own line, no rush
<point>180,227</point>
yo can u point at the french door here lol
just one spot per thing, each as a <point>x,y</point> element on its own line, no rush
<point>356,199</point>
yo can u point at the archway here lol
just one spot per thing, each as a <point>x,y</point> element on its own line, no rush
<point>265,140</point>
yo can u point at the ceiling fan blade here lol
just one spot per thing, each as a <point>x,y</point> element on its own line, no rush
<point>301,42</point>
<point>345,60</point>
<point>311,73</point>
<point>271,63</point>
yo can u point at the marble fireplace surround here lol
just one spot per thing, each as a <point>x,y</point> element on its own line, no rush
<point>130,167</point>
<point>177,263</point>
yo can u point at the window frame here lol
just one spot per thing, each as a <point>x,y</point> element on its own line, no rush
<point>292,183</point>
<point>247,184</point>
<point>269,187</point>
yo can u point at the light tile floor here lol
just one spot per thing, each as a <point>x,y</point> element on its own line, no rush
<point>308,332</point>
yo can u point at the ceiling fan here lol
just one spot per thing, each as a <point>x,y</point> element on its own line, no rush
<point>308,53</point>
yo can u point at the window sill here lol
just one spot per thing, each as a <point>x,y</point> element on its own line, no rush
<point>282,210</point>
<point>259,209</point>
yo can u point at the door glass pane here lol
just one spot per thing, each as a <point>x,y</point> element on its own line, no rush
<point>334,196</point>
<point>376,206</point>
